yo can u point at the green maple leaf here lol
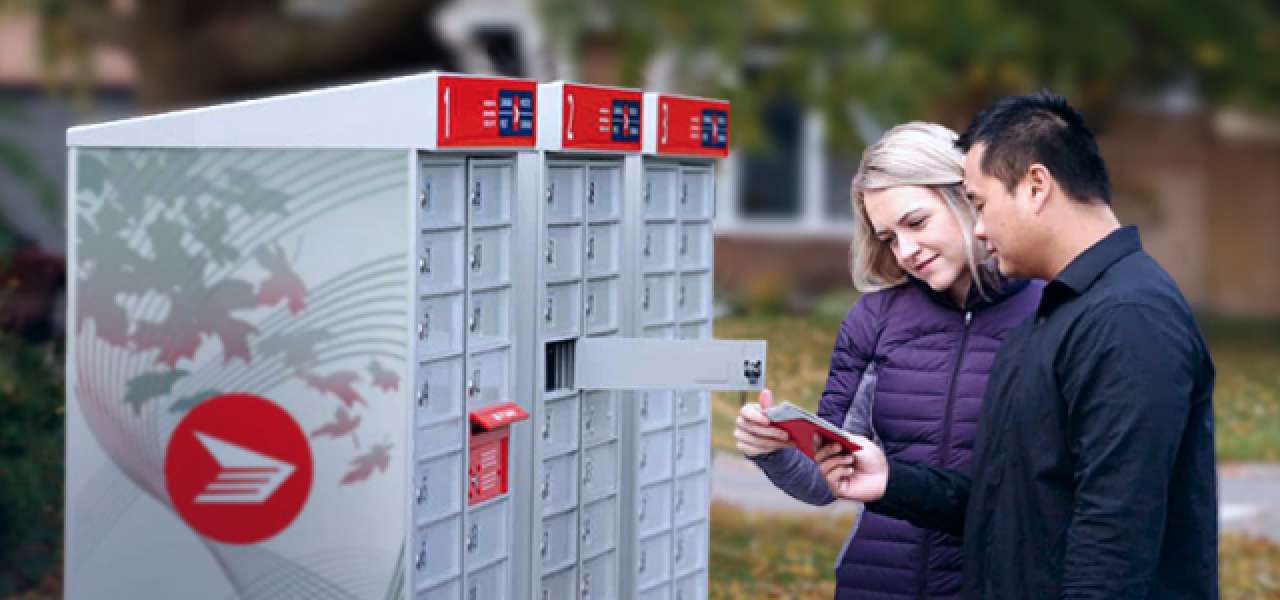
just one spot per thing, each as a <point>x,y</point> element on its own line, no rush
<point>189,402</point>
<point>149,386</point>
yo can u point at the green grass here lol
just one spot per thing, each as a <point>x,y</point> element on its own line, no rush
<point>1245,352</point>
<point>795,558</point>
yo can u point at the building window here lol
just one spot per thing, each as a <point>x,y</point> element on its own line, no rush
<point>769,184</point>
<point>841,166</point>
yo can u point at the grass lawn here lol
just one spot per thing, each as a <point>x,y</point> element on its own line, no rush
<point>1246,398</point>
<point>794,560</point>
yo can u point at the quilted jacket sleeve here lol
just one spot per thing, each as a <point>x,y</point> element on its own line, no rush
<point>854,348</point>
<point>789,469</point>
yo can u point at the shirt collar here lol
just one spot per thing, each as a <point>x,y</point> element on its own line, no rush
<point>1085,268</point>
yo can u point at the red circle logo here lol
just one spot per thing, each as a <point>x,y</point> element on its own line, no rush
<point>238,469</point>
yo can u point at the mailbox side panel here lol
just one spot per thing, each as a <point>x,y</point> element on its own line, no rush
<point>200,274</point>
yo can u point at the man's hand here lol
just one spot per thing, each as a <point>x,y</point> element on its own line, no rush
<point>755,433</point>
<point>861,476</point>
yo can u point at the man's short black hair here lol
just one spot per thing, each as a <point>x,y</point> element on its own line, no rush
<point>1019,131</point>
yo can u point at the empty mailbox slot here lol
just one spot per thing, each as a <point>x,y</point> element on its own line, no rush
<point>563,194</point>
<point>598,422</point>
<point>688,552</point>
<point>489,193</point>
<point>434,557</point>
<point>440,195</point>
<point>559,425</point>
<point>559,585</point>
<point>602,193</point>
<point>560,365</point>
<point>434,491</point>
<point>439,392</point>
<point>657,245</point>
<point>440,261</point>
<point>598,527</point>
<point>488,256</point>
<point>558,485</point>
<point>558,544</point>
<point>659,188</point>
<point>561,253</point>
<point>653,560</point>
<point>487,378</point>
<point>602,249</point>
<point>445,591</point>
<point>653,509</point>
<point>599,577</point>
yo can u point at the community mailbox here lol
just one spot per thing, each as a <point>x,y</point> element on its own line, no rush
<point>403,339</point>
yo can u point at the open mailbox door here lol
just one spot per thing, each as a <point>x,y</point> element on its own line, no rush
<point>657,364</point>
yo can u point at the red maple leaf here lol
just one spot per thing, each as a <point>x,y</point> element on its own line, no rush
<point>343,424</point>
<point>383,378</point>
<point>378,457</point>
<point>338,383</point>
<point>196,310</point>
<point>282,283</point>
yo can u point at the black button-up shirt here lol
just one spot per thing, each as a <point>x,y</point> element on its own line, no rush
<point>1093,470</point>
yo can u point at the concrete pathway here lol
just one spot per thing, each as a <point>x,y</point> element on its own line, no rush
<point>1249,494</point>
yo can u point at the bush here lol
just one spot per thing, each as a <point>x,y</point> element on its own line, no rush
<point>31,464</point>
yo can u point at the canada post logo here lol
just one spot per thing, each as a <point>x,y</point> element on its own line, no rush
<point>238,469</point>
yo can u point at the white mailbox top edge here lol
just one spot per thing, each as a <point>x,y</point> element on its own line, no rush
<point>399,112</point>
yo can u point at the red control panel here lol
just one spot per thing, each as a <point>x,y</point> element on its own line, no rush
<point>692,126</point>
<point>599,118</point>
<point>486,112</point>
<point>488,466</point>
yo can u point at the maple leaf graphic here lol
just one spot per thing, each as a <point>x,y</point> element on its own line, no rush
<point>149,386</point>
<point>378,457</point>
<point>187,403</point>
<point>197,310</point>
<point>338,383</point>
<point>343,424</point>
<point>383,378</point>
<point>297,347</point>
<point>283,283</point>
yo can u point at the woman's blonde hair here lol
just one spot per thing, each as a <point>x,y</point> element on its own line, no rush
<point>919,154</point>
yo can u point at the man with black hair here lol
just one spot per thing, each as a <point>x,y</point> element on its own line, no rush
<point>1093,470</point>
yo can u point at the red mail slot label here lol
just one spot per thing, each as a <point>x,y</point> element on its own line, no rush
<point>600,118</point>
<point>692,126</point>
<point>485,112</point>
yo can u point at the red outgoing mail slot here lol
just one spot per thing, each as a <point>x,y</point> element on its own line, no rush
<point>490,439</point>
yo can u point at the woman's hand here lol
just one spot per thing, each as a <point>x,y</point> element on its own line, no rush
<point>755,433</point>
<point>861,476</point>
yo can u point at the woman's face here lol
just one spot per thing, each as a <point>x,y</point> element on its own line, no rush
<point>926,240</point>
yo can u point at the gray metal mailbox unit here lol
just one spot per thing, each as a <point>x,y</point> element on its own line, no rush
<point>387,340</point>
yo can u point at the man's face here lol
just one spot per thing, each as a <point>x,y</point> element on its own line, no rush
<point>1001,221</point>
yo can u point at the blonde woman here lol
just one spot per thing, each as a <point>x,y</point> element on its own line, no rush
<point>911,359</point>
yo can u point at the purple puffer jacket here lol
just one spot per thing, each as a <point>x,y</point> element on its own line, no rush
<point>931,362</point>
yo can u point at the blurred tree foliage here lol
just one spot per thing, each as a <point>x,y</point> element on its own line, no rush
<point>859,61</point>
<point>886,61</point>
<point>193,52</point>
<point>31,462</point>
